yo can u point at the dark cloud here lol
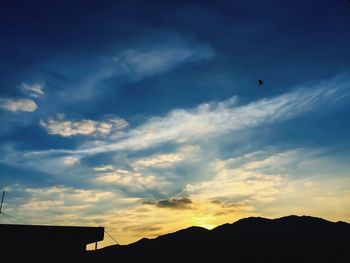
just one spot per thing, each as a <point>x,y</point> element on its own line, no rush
<point>142,229</point>
<point>225,204</point>
<point>228,207</point>
<point>173,203</point>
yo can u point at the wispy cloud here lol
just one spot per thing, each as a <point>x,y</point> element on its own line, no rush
<point>248,178</point>
<point>161,57</point>
<point>69,205</point>
<point>34,90</point>
<point>161,160</point>
<point>68,194</point>
<point>166,160</point>
<point>68,128</point>
<point>136,60</point>
<point>218,118</point>
<point>16,105</point>
<point>134,181</point>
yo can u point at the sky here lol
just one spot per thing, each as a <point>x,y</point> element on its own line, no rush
<point>146,117</point>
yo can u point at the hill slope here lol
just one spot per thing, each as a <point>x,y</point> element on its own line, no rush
<point>254,239</point>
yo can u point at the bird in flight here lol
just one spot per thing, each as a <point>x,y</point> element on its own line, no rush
<point>260,82</point>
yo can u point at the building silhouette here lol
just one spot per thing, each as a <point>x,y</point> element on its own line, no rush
<point>39,243</point>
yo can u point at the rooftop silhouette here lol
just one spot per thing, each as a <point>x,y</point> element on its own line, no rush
<point>39,243</point>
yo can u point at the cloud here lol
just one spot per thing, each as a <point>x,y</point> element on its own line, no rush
<point>132,180</point>
<point>59,200</point>
<point>252,177</point>
<point>173,203</point>
<point>103,168</point>
<point>62,204</point>
<point>226,204</point>
<point>132,61</point>
<point>66,128</point>
<point>142,229</point>
<point>70,161</point>
<point>144,61</point>
<point>16,105</point>
<point>34,90</point>
<point>214,119</point>
<point>160,161</point>
<point>119,123</point>
<point>267,183</point>
<point>166,160</point>
<point>148,220</point>
<point>326,196</point>
<point>260,179</point>
<point>68,194</point>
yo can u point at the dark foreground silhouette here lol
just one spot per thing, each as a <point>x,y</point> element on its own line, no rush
<point>255,239</point>
<point>39,243</point>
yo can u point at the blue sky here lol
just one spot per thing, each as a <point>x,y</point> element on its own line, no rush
<point>147,117</point>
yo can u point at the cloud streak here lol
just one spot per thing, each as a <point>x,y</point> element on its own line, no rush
<point>218,118</point>
<point>136,60</point>
<point>146,61</point>
<point>166,160</point>
<point>34,90</point>
<point>246,178</point>
<point>134,181</point>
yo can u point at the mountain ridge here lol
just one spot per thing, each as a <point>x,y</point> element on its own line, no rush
<point>254,239</point>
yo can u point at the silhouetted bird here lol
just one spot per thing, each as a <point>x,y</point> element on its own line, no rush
<point>260,82</point>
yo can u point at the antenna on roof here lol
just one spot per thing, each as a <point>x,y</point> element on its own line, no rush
<point>9,217</point>
<point>2,200</point>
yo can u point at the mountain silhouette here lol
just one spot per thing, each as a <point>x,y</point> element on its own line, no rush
<point>253,239</point>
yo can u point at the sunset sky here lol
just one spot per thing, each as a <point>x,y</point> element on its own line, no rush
<point>147,118</point>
